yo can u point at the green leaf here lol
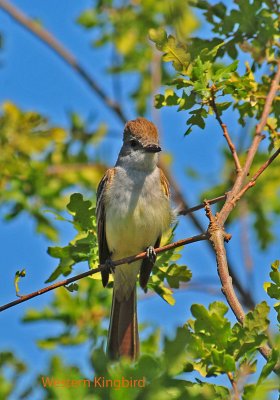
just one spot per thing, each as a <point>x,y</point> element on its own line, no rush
<point>164,292</point>
<point>175,356</point>
<point>88,18</point>
<point>73,287</point>
<point>269,366</point>
<point>18,276</point>
<point>82,210</point>
<point>172,49</point>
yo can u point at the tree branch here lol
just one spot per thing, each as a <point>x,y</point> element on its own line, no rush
<point>252,181</point>
<point>229,204</point>
<point>63,53</point>
<point>225,131</point>
<point>216,232</point>
<point>202,205</point>
<point>102,267</point>
<point>217,237</point>
<point>247,299</point>
<point>234,386</point>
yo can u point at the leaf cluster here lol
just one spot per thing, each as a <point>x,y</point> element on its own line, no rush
<point>202,81</point>
<point>126,27</point>
<point>39,163</point>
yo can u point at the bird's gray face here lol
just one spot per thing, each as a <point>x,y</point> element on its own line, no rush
<point>135,154</point>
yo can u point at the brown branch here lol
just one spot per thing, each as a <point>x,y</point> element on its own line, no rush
<point>234,386</point>
<point>63,53</point>
<point>216,232</point>
<point>229,204</point>
<point>102,267</point>
<point>252,181</point>
<point>180,200</point>
<point>225,132</point>
<point>202,205</point>
<point>217,237</point>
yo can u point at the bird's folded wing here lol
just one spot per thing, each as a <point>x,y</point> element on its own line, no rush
<point>104,252</point>
<point>147,265</point>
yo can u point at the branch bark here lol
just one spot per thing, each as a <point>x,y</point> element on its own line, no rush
<point>217,235</point>
<point>246,296</point>
<point>102,267</point>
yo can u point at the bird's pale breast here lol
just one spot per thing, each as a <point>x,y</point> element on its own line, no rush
<point>137,213</point>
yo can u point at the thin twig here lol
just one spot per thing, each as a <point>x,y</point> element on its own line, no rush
<point>252,181</point>
<point>202,205</point>
<point>63,53</point>
<point>225,132</point>
<point>234,386</point>
<point>102,267</point>
<point>229,204</point>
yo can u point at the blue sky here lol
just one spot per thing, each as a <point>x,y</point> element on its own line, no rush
<point>34,78</point>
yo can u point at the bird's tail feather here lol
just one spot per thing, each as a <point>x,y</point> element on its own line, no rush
<point>123,338</point>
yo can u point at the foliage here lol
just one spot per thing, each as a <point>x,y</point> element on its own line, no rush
<point>11,369</point>
<point>40,163</point>
<point>273,288</point>
<point>208,345</point>
<point>125,27</point>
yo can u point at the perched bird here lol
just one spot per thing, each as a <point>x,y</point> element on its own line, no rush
<point>133,211</point>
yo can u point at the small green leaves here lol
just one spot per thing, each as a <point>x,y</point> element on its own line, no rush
<point>88,18</point>
<point>248,338</point>
<point>216,347</point>
<point>84,246</point>
<point>73,287</point>
<point>175,355</point>
<point>172,49</point>
<point>18,276</point>
<point>83,212</point>
<point>166,268</point>
<point>273,288</point>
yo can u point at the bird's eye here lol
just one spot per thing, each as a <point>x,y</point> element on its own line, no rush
<point>133,143</point>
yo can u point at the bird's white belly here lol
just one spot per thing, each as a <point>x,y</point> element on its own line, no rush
<point>137,213</point>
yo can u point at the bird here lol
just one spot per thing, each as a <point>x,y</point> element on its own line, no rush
<point>133,211</point>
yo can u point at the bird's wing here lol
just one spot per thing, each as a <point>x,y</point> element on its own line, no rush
<point>104,252</point>
<point>164,184</point>
<point>147,265</point>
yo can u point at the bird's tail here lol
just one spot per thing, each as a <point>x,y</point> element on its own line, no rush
<point>123,338</point>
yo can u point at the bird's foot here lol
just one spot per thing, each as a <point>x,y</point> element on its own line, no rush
<point>151,254</point>
<point>109,264</point>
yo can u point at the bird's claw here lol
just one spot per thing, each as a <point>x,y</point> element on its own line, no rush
<point>151,254</point>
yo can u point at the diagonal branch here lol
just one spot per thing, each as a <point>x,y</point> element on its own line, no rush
<point>63,53</point>
<point>246,296</point>
<point>217,237</point>
<point>202,205</point>
<point>102,267</point>
<point>229,204</point>
<point>252,181</point>
<point>226,133</point>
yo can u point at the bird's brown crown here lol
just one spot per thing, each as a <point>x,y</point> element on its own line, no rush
<point>142,130</point>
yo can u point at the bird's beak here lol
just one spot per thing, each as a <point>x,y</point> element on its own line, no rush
<point>152,148</point>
